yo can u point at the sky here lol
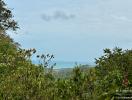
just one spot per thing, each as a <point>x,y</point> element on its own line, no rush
<point>73,30</point>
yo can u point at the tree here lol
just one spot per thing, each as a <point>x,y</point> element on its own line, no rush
<point>114,70</point>
<point>6,21</point>
<point>8,46</point>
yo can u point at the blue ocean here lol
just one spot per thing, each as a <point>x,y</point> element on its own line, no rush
<point>66,64</point>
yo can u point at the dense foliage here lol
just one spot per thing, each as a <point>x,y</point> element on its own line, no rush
<point>22,80</point>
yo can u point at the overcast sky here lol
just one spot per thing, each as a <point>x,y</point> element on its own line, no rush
<point>73,30</point>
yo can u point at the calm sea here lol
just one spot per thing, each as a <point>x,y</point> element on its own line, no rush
<point>65,64</point>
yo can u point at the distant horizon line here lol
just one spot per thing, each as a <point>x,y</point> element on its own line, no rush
<point>72,62</point>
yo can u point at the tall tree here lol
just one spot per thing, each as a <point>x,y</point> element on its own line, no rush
<point>7,45</point>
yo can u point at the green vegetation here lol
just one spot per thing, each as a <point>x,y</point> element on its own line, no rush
<point>22,80</point>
